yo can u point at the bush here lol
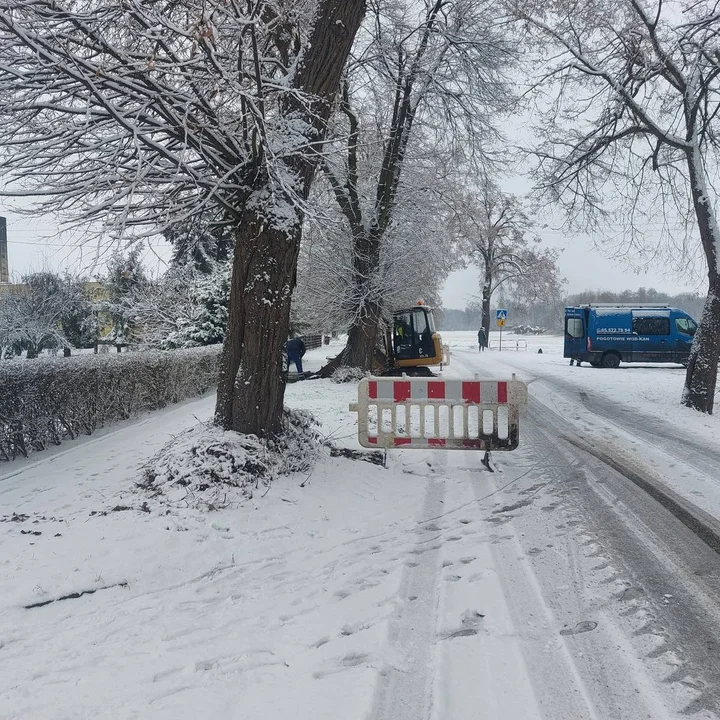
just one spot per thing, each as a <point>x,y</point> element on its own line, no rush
<point>47,400</point>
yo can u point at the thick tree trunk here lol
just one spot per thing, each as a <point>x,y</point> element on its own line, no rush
<point>487,291</point>
<point>251,388</point>
<point>486,295</point>
<point>360,351</point>
<point>701,376</point>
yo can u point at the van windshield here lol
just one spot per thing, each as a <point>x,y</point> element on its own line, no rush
<point>686,326</point>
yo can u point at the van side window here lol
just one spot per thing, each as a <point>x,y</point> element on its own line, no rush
<point>686,326</point>
<point>651,325</point>
<point>574,327</point>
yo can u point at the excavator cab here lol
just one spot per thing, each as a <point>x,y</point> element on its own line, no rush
<point>414,342</point>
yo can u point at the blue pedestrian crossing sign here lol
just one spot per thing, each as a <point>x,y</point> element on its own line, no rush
<point>500,317</point>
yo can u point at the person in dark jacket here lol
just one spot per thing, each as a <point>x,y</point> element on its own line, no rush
<point>295,352</point>
<point>482,339</point>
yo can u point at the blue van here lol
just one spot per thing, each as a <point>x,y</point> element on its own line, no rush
<point>605,335</point>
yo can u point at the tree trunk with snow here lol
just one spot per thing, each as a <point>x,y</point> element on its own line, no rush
<point>365,328</point>
<point>701,376</point>
<point>361,348</point>
<point>251,387</point>
<point>486,295</point>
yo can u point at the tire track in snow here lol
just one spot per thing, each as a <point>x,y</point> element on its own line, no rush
<point>481,667</point>
<point>579,670</point>
<point>649,555</point>
<point>404,690</point>
<point>653,431</point>
<point>583,665</point>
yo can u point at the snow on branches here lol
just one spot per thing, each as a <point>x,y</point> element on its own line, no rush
<point>184,308</point>
<point>144,112</point>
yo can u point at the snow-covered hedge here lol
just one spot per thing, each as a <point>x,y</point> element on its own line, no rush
<point>47,400</point>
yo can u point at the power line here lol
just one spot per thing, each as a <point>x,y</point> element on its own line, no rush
<point>43,244</point>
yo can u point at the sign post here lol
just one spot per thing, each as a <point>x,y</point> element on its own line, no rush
<point>500,318</point>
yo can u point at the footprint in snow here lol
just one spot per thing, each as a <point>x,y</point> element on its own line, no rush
<point>469,624</point>
<point>350,629</point>
<point>346,662</point>
<point>432,528</point>
<point>581,627</point>
<point>630,593</point>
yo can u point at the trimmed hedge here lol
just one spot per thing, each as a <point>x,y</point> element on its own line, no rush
<point>47,400</point>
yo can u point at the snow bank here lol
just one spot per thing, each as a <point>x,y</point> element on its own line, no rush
<point>206,467</point>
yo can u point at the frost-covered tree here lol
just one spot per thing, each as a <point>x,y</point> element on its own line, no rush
<point>426,79</point>
<point>143,113</point>
<point>631,134</point>
<point>200,241</point>
<point>496,233</point>
<point>125,274</point>
<point>415,257</point>
<point>30,316</point>
<point>79,314</point>
<point>183,308</point>
<point>209,323</point>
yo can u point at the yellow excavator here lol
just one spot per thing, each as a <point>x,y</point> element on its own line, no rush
<point>412,344</point>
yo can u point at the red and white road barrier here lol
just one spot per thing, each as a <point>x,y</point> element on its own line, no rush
<point>433,413</point>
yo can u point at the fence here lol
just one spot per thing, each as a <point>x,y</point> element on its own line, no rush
<point>515,344</point>
<point>434,413</point>
<point>312,342</point>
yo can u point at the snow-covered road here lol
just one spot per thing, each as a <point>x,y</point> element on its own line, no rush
<point>553,588</point>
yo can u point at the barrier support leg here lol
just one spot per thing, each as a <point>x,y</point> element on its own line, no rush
<point>486,461</point>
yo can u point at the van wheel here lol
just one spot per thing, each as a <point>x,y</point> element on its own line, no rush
<point>611,360</point>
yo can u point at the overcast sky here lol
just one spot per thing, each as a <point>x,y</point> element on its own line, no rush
<point>35,245</point>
